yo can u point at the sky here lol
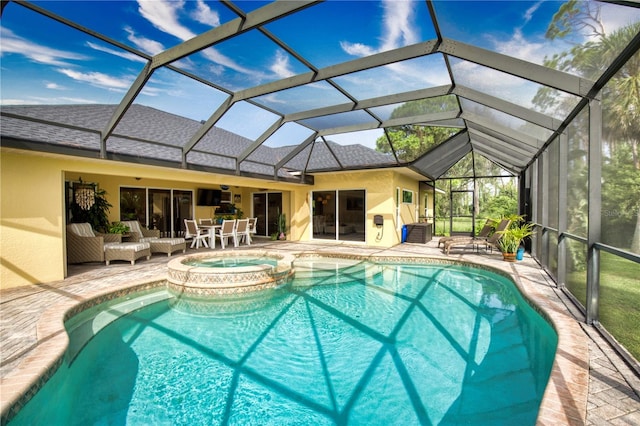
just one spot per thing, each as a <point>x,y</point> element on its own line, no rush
<point>45,62</point>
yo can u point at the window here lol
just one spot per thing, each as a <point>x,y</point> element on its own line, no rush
<point>407,196</point>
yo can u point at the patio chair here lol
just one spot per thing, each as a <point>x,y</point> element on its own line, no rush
<point>484,233</point>
<point>199,236</point>
<point>242,231</point>
<point>253,223</point>
<point>228,229</point>
<point>86,245</point>
<point>206,222</point>
<point>476,242</point>
<point>140,234</point>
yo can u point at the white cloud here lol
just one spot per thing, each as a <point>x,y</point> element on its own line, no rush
<point>54,86</point>
<point>39,100</point>
<point>357,49</point>
<point>152,91</point>
<point>219,58</point>
<point>147,45</point>
<point>20,102</point>
<point>281,66</point>
<point>493,82</point>
<point>205,15</point>
<point>398,29</point>
<point>97,79</point>
<point>12,43</point>
<point>528,15</point>
<point>114,52</point>
<point>77,100</point>
<point>164,16</point>
<point>533,48</point>
<point>273,98</point>
<point>519,47</point>
<point>615,17</point>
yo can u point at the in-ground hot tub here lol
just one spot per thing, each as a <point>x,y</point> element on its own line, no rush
<point>204,275</point>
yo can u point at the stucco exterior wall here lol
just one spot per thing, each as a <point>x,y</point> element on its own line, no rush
<point>32,221</point>
<point>32,216</point>
<point>380,188</point>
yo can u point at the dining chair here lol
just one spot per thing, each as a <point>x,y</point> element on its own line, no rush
<point>253,222</point>
<point>206,222</point>
<point>198,235</point>
<point>228,229</point>
<point>242,231</point>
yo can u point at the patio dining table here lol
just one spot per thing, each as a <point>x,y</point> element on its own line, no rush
<point>212,234</point>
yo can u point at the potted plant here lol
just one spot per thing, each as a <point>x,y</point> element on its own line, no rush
<point>118,228</point>
<point>512,237</point>
<point>282,226</point>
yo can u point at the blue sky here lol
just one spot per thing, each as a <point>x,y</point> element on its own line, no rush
<point>44,62</point>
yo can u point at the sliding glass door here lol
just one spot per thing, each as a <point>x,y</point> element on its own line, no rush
<point>266,206</point>
<point>162,209</point>
<point>339,215</point>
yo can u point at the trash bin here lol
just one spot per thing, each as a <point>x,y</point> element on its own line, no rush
<point>404,233</point>
<point>520,253</point>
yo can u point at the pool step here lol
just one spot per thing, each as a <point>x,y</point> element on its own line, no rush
<point>323,271</point>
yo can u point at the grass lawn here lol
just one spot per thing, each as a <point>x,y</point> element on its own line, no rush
<point>619,299</point>
<point>460,224</point>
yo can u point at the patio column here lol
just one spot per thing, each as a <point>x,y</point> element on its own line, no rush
<point>543,207</point>
<point>535,203</point>
<point>563,167</point>
<point>594,228</point>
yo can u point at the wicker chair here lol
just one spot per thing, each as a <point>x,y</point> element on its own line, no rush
<point>140,234</point>
<point>86,245</point>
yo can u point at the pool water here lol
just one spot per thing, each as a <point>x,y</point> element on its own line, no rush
<point>357,344</point>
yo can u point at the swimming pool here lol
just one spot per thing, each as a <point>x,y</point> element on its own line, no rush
<point>348,342</point>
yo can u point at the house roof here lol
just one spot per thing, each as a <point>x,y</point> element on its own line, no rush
<point>283,90</point>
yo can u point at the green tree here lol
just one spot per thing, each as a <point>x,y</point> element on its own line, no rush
<point>620,106</point>
<point>410,142</point>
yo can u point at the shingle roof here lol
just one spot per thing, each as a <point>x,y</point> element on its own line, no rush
<point>146,132</point>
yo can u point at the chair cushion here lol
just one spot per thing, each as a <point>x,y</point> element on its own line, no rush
<point>127,246</point>
<point>81,229</point>
<point>172,241</point>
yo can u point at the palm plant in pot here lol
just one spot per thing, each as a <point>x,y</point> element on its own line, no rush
<point>511,239</point>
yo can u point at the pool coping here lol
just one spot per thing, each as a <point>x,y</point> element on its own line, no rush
<point>564,400</point>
